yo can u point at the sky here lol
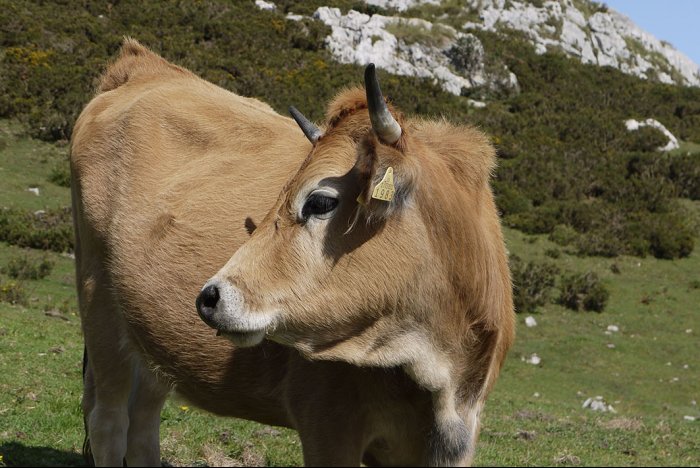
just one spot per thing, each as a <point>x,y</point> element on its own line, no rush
<point>674,21</point>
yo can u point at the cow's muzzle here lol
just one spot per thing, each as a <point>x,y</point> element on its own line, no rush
<point>222,306</point>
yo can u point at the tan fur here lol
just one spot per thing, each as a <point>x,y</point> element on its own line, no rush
<point>390,335</point>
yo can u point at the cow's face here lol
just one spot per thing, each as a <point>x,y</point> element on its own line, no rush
<point>331,270</point>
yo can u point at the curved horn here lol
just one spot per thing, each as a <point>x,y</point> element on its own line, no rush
<point>383,123</point>
<point>312,132</point>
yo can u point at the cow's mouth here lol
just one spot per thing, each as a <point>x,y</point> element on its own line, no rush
<point>242,339</point>
<point>223,307</point>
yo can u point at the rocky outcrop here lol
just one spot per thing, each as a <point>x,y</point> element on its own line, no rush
<point>455,58</point>
<point>583,29</point>
<point>412,47</point>
<point>604,37</point>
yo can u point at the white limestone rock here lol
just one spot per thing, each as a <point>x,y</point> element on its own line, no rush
<point>400,5</point>
<point>605,38</point>
<point>598,404</point>
<point>263,5</point>
<point>362,39</point>
<point>534,359</point>
<point>672,144</point>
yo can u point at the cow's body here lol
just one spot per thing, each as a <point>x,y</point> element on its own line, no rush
<point>170,176</point>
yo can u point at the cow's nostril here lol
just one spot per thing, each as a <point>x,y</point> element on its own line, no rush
<point>206,302</point>
<point>210,296</point>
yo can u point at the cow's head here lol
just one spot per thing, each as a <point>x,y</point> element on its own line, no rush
<point>352,265</point>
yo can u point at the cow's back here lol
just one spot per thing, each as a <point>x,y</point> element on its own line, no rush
<point>170,172</point>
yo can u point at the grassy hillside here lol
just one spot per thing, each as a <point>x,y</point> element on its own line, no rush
<point>566,158</point>
<point>580,196</point>
<point>534,416</point>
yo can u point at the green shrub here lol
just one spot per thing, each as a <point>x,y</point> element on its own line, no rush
<point>540,220</point>
<point>13,292</point>
<point>670,237</point>
<point>532,283</point>
<point>603,243</point>
<point>47,230</point>
<point>684,172</point>
<point>509,200</point>
<point>583,292</point>
<point>563,235</point>
<point>60,174</point>
<point>466,54</point>
<point>553,253</point>
<point>25,267</point>
<point>647,139</point>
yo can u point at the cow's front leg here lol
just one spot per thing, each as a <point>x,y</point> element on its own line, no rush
<point>145,404</point>
<point>330,443</point>
<point>452,438</point>
<point>108,371</point>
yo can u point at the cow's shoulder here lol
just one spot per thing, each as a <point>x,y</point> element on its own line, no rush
<point>136,61</point>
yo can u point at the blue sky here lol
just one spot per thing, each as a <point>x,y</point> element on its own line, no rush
<point>675,21</point>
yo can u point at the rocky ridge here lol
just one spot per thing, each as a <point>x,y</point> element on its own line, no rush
<point>587,30</point>
<point>454,58</point>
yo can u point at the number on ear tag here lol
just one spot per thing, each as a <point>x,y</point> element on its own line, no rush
<point>385,189</point>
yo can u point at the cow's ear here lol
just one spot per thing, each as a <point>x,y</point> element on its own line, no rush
<point>385,178</point>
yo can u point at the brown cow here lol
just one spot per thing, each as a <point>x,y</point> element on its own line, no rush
<point>373,317</point>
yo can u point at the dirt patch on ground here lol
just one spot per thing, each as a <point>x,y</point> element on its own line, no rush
<point>624,424</point>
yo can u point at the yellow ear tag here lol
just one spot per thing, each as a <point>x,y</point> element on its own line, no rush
<point>385,189</point>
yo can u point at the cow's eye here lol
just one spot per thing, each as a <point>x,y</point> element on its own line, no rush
<point>318,204</point>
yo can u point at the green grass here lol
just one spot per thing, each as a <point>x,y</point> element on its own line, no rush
<point>416,33</point>
<point>653,302</point>
<point>26,163</point>
<point>687,147</point>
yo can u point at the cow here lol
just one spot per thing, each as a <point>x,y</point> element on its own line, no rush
<point>349,281</point>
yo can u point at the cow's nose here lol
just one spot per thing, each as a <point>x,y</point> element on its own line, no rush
<point>206,302</point>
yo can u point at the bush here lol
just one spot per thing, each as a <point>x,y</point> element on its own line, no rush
<point>563,235</point>
<point>604,243</point>
<point>532,283</point>
<point>47,230</point>
<point>583,292</point>
<point>60,174</point>
<point>670,237</point>
<point>13,292</point>
<point>24,268</point>
<point>684,172</point>
<point>509,200</point>
<point>553,253</point>
<point>536,221</point>
<point>648,139</point>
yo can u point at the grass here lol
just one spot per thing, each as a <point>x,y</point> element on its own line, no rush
<point>653,302</point>
<point>412,32</point>
<point>686,147</point>
<point>26,163</point>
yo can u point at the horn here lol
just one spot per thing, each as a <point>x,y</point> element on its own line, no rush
<point>312,132</point>
<point>383,123</point>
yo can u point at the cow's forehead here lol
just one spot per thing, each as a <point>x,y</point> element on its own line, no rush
<point>332,157</point>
